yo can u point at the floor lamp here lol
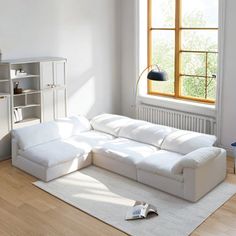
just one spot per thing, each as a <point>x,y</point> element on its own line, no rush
<point>153,75</point>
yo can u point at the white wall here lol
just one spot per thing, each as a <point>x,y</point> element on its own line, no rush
<point>86,32</point>
<point>228,116</point>
<point>128,56</point>
<point>228,121</point>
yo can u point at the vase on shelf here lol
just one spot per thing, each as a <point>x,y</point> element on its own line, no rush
<point>17,90</point>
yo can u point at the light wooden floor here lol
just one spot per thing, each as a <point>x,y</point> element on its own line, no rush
<point>26,210</point>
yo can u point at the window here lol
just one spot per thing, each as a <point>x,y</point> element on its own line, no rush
<point>183,41</point>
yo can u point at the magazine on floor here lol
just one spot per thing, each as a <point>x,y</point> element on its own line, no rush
<point>140,210</point>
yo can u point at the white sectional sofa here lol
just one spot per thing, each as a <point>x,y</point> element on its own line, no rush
<point>179,162</point>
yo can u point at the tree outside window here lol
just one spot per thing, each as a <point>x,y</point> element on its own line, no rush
<point>183,41</point>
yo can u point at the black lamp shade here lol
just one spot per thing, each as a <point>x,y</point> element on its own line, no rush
<point>155,75</point>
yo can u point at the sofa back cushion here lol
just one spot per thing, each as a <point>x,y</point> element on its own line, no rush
<point>72,125</point>
<point>145,132</point>
<point>184,142</point>
<point>108,123</point>
<point>31,136</point>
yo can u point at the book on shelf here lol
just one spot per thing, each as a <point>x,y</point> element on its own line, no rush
<point>140,210</point>
<point>18,115</point>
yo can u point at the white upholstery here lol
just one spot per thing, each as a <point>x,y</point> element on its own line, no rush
<point>47,174</point>
<point>73,125</point>
<point>145,132</point>
<point>187,165</point>
<point>121,156</point>
<point>184,142</point>
<point>52,153</point>
<point>195,159</point>
<point>125,150</point>
<point>196,181</point>
<point>35,135</point>
<point>46,132</point>
<point>109,123</point>
<point>115,165</point>
<point>93,138</point>
<point>161,163</point>
<point>199,181</point>
<point>65,150</point>
<point>87,140</point>
<point>161,182</point>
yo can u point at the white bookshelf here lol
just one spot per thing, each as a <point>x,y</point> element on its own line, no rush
<point>43,96</point>
<point>26,105</point>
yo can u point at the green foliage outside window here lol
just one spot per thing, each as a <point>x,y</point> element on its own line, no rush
<point>195,66</point>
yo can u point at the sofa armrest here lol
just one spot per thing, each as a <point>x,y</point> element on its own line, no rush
<point>196,159</point>
<point>201,180</point>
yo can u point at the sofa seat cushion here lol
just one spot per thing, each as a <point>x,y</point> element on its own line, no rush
<point>145,132</point>
<point>161,163</point>
<point>125,150</point>
<point>184,142</point>
<point>54,153</point>
<point>109,123</point>
<point>87,140</point>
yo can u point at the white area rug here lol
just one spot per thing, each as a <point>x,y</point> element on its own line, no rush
<point>108,196</point>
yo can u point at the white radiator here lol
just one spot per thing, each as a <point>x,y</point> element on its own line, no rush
<point>176,119</point>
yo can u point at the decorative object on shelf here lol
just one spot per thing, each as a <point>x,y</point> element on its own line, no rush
<point>13,73</point>
<point>155,74</point>
<point>18,115</point>
<point>20,72</point>
<point>233,145</point>
<point>17,90</point>
<point>29,90</point>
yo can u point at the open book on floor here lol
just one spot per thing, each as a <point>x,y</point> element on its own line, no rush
<point>140,210</point>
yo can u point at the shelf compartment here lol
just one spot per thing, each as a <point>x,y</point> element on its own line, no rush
<point>26,83</point>
<point>31,70</point>
<point>28,115</point>
<point>33,98</point>
<point>19,102</point>
<point>27,100</point>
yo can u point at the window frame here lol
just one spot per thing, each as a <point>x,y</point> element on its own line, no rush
<point>178,50</point>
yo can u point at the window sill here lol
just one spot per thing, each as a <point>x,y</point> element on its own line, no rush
<point>178,105</point>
